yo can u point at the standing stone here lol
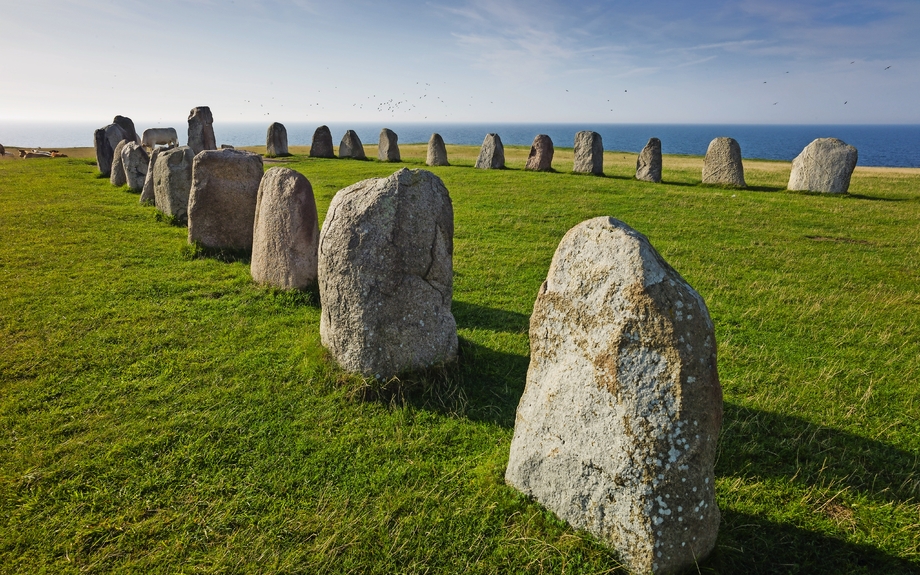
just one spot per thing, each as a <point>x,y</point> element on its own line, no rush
<point>388,148</point>
<point>172,181</point>
<point>105,140</point>
<point>825,165</point>
<point>276,141</point>
<point>351,146</point>
<point>135,160</point>
<point>201,130</point>
<point>437,151</point>
<point>492,153</point>
<point>227,147</point>
<point>222,203</point>
<point>541,154</point>
<point>286,231</point>
<point>117,176</point>
<point>616,430</point>
<point>648,166</point>
<point>321,146</point>
<point>2,150</point>
<point>722,164</point>
<point>127,125</point>
<point>386,275</point>
<point>148,195</point>
<point>589,153</point>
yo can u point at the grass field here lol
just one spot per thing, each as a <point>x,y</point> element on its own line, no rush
<point>159,413</point>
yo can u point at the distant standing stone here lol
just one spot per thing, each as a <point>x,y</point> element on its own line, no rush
<point>286,231</point>
<point>201,130</point>
<point>227,147</point>
<point>616,430</point>
<point>825,165</point>
<point>388,148</point>
<point>135,160</point>
<point>2,150</point>
<point>105,140</point>
<point>321,146</point>
<point>172,181</point>
<point>722,164</point>
<point>127,125</point>
<point>351,146</point>
<point>589,153</point>
<point>541,154</point>
<point>117,176</point>
<point>386,275</point>
<point>437,151</point>
<point>222,203</point>
<point>148,194</point>
<point>276,140</point>
<point>492,153</point>
<point>648,166</point>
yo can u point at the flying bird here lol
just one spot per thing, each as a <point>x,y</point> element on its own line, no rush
<point>846,101</point>
<point>888,67</point>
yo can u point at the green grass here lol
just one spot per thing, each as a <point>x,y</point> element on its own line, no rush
<point>160,413</point>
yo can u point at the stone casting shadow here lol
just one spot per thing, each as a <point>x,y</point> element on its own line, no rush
<point>473,316</point>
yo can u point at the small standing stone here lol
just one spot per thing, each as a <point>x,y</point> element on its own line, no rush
<point>386,275</point>
<point>276,140</point>
<point>222,203</point>
<point>321,147</point>
<point>388,148</point>
<point>172,181</point>
<point>148,195</point>
<point>616,430</point>
<point>541,154</point>
<point>351,146</point>
<point>117,177</point>
<point>201,130</point>
<point>492,153</point>
<point>135,160</point>
<point>105,140</point>
<point>825,165</point>
<point>286,231</point>
<point>437,151</point>
<point>127,125</point>
<point>722,164</point>
<point>227,147</point>
<point>2,150</point>
<point>648,166</point>
<point>589,153</point>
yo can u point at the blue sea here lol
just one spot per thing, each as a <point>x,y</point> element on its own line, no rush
<point>878,145</point>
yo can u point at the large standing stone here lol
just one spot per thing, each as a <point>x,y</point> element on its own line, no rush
<point>722,164</point>
<point>127,124</point>
<point>2,150</point>
<point>492,153</point>
<point>172,181</point>
<point>541,154</point>
<point>276,140</point>
<point>825,165</point>
<point>135,160</point>
<point>351,146</point>
<point>201,130</point>
<point>589,153</point>
<point>648,166</point>
<point>437,151</point>
<point>388,148</point>
<point>148,194</point>
<point>386,275</point>
<point>222,204</point>
<point>286,231</point>
<point>117,176</point>
<point>105,140</point>
<point>321,146</point>
<point>616,430</point>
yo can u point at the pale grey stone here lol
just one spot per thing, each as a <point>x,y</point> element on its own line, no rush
<point>648,166</point>
<point>222,202</point>
<point>437,151</point>
<point>276,140</point>
<point>541,154</point>
<point>148,195</point>
<point>825,165</point>
<point>321,146</point>
<point>286,231</point>
<point>386,275</point>
<point>172,181</point>
<point>135,161</point>
<point>351,146</point>
<point>722,164</point>
<point>589,153</point>
<point>105,140</point>
<point>117,177</point>
<point>616,430</point>
<point>388,148</point>
<point>492,153</point>
<point>201,130</point>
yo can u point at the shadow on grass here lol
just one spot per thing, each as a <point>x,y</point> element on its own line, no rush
<point>473,316</point>
<point>845,196</point>
<point>197,251</point>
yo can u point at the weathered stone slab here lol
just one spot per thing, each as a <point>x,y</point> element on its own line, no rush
<point>541,154</point>
<point>321,146</point>
<point>148,195</point>
<point>351,146</point>
<point>825,165</point>
<point>276,140</point>
<point>492,153</point>
<point>105,140</point>
<point>135,161</point>
<point>616,430</point>
<point>117,176</point>
<point>127,124</point>
<point>648,166</point>
<point>589,153</point>
<point>286,231</point>
<point>722,164</point>
<point>386,275</point>
<point>172,181</point>
<point>222,203</point>
<point>388,147</point>
<point>201,130</point>
<point>437,151</point>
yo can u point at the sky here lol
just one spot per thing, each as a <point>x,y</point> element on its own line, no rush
<point>528,61</point>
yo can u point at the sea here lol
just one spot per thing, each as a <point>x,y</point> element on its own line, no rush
<point>878,145</point>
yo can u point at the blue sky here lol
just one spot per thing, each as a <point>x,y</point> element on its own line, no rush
<point>655,61</point>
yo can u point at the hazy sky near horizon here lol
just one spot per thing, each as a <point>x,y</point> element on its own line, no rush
<point>655,61</point>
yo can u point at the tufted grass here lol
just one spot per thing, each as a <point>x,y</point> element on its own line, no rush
<point>159,413</point>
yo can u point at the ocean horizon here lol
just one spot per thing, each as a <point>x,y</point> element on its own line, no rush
<point>886,145</point>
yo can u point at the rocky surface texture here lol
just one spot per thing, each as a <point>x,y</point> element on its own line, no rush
<point>825,165</point>
<point>722,164</point>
